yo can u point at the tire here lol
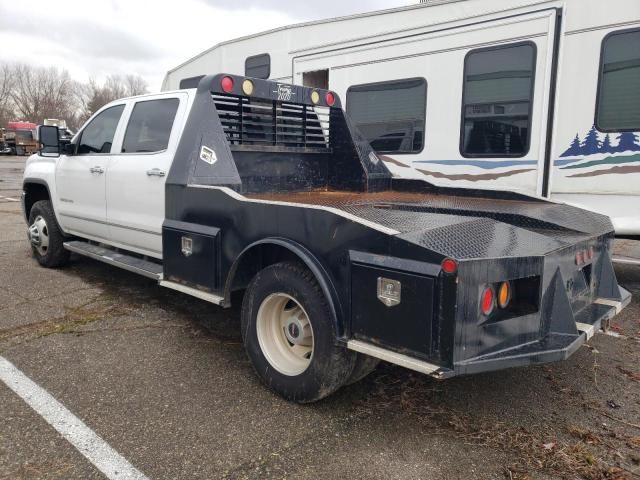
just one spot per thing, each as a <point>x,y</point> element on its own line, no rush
<point>301,372</point>
<point>363,367</point>
<point>44,229</point>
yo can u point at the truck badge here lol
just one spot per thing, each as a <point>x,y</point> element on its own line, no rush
<point>208,155</point>
<point>187,246</point>
<point>284,92</point>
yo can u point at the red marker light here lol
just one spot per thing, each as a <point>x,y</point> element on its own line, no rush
<point>330,98</point>
<point>590,253</point>
<point>449,266</point>
<point>226,84</point>
<point>579,258</point>
<point>487,301</point>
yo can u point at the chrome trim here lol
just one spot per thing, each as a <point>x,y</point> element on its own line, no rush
<point>393,357</point>
<point>110,261</point>
<point>207,297</point>
<point>589,330</point>
<point>611,303</point>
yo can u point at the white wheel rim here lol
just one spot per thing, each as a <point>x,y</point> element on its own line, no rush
<point>39,235</point>
<point>285,334</point>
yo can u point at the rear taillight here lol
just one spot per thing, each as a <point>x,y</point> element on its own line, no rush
<point>487,301</point>
<point>449,266</point>
<point>330,99</point>
<point>226,84</point>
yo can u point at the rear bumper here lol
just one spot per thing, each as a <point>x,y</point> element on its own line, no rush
<point>553,347</point>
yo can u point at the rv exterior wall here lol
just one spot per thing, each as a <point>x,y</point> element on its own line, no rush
<point>502,139</point>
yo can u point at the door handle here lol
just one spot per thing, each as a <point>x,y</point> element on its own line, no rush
<point>156,172</point>
<point>96,169</point>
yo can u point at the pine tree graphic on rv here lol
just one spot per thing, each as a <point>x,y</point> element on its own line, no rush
<point>597,150</point>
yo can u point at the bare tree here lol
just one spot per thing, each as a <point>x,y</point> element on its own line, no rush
<point>136,85</point>
<point>113,88</point>
<point>41,93</point>
<point>6,87</point>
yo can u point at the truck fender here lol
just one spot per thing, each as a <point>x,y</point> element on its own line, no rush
<point>29,198</point>
<point>309,260</point>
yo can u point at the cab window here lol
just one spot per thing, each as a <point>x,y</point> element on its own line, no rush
<point>97,136</point>
<point>497,101</point>
<point>150,126</point>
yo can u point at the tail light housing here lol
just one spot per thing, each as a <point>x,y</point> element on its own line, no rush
<point>226,84</point>
<point>487,301</point>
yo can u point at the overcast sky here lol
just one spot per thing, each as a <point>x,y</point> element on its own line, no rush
<point>94,38</point>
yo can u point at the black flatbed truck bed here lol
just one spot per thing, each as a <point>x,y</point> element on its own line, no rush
<point>273,192</point>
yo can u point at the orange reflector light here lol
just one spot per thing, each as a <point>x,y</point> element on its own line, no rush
<point>330,98</point>
<point>247,87</point>
<point>449,265</point>
<point>487,301</point>
<point>504,295</point>
<point>226,84</point>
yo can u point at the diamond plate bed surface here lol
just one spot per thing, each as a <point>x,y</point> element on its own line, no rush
<point>464,227</point>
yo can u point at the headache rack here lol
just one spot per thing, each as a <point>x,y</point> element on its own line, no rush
<point>259,123</point>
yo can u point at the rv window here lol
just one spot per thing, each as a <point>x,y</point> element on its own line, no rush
<point>391,115</point>
<point>258,66</point>
<point>150,126</point>
<point>496,101</point>
<point>618,98</point>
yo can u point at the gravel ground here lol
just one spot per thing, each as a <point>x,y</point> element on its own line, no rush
<point>162,377</point>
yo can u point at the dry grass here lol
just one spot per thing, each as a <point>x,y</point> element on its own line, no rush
<point>573,452</point>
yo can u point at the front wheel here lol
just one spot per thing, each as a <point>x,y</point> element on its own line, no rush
<point>46,237</point>
<point>289,335</point>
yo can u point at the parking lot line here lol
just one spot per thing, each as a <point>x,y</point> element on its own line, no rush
<point>86,441</point>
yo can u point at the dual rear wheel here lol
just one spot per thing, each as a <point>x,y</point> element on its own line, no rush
<point>289,335</point>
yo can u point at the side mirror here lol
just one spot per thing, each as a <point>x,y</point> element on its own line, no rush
<point>48,136</point>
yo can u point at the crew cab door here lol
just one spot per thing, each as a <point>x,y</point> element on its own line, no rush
<point>137,173</point>
<point>80,177</point>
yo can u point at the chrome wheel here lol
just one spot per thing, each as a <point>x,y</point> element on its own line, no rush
<point>39,235</point>
<point>285,334</point>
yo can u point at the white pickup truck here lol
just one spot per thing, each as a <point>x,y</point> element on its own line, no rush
<point>267,188</point>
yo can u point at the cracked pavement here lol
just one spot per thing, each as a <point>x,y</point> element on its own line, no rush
<point>163,378</point>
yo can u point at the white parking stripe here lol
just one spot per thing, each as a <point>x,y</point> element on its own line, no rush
<point>95,449</point>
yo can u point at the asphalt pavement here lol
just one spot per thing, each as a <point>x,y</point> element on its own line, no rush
<point>163,380</point>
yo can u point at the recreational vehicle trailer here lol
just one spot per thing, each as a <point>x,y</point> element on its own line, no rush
<point>541,97</point>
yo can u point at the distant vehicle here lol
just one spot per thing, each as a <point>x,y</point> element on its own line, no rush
<point>20,138</point>
<point>248,185</point>
<point>4,146</point>
<point>525,95</point>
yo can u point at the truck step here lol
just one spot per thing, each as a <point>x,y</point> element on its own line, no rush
<point>117,259</point>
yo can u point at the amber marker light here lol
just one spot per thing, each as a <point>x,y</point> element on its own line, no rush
<point>315,97</point>
<point>504,295</point>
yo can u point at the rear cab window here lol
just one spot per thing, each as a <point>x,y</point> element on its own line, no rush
<point>391,115</point>
<point>150,125</point>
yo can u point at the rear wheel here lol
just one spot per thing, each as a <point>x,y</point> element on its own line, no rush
<point>363,367</point>
<point>289,335</point>
<point>46,237</point>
